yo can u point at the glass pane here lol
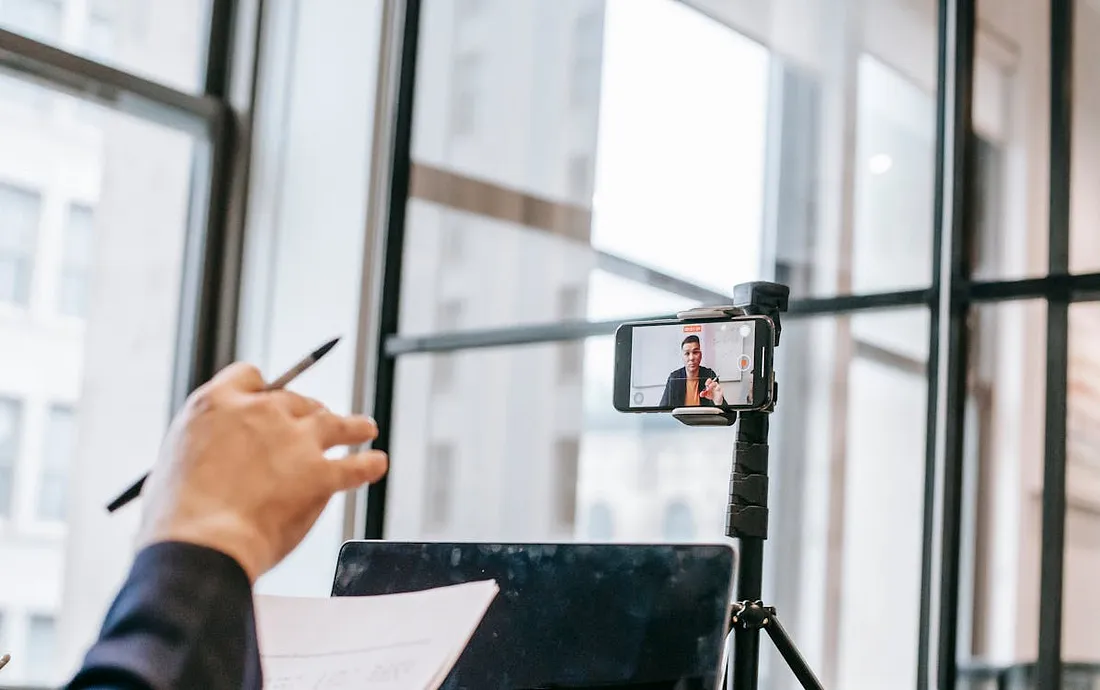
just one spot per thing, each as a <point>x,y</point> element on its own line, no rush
<point>20,214</point>
<point>1002,497</point>
<point>63,556</point>
<point>76,261</point>
<point>707,156</point>
<point>1081,600</point>
<point>1084,253</point>
<point>512,452</point>
<point>305,240</point>
<point>464,271</point>
<point>58,448</point>
<point>41,648</point>
<point>162,41</point>
<point>844,549</point>
<point>895,175</point>
<point>1012,123</point>
<point>11,433</point>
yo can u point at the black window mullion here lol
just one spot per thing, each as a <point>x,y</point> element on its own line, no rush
<point>924,618</point>
<point>1051,561</point>
<point>207,316</point>
<point>389,312</point>
<point>955,220</point>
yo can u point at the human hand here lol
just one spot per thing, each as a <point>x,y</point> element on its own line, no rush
<point>713,391</point>
<point>242,469</point>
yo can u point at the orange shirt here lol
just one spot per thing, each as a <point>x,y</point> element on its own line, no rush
<point>691,395</point>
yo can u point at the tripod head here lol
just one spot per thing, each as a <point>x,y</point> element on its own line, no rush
<point>758,298</point>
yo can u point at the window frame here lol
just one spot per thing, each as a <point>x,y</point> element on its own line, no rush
<point>949,299</point>
<point>218,118</point>
<point>221,114</point>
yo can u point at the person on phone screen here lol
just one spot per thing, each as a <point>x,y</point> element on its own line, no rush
<point>692,385</point>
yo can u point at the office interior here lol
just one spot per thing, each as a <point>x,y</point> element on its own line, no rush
<point>475,193</point>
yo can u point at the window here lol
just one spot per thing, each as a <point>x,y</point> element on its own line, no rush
<point>100,39</point>
<point>437,486</point>
<point>41,651</point>
<point>307,232</point>
<point>570,361</point>
<point>37,19</point>
<point>166,41</point>
<point>468,9</point>
<point>601,523</point>
<point>11,422</point>
<point>465,95</point>
<point>584,80</point>
<point>58,448</point>
<point>453,239</point>
<point>449,315</point>
<point>567,458</point>
<point>443,372</point>
<point>580,178</point>
<point>76,263</point>
<point>448,318</point>
<point>571,302</point>
<point>19,212</point>
<point>124,356</point>
<point>679,522</point>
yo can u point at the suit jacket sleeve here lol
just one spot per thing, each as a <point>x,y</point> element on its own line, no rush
<point>183,619</point>
<point>666,397</point>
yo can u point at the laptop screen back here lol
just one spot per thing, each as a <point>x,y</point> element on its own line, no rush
<point>568,615</point>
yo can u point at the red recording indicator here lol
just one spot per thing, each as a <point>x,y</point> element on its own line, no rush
<point>693,329</point>
<point>744,362</point>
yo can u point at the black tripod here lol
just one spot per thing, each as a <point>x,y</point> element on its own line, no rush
<point>747,514</point>
<point>747,520</point>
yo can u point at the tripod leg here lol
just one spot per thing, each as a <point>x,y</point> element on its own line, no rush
<point>791,655</point>
<point>746,658</point>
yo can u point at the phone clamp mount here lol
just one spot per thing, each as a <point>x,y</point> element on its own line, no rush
<point>749,299</point>
<point>747,512</point>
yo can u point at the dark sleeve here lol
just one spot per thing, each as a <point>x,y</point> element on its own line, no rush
<point>666,397</point>
<point>183,619</point>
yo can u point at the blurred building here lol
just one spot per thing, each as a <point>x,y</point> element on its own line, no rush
<point>93,207</point>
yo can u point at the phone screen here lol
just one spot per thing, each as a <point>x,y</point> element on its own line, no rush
<point>722,363</point>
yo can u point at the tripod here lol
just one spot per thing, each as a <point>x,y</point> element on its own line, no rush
<point>747,520</point>
<point>747,513</point>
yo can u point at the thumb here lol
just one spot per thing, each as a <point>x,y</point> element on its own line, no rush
<point>240,375</point>
<point>357,469</point>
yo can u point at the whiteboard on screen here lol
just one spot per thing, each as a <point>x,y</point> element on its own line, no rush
<point>656,353</point>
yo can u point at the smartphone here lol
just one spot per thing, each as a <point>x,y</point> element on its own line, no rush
<point>721,362</point>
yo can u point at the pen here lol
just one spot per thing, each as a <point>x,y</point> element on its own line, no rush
<point>291,374</point>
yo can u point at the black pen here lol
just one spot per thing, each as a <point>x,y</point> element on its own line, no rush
<point>309,360</point>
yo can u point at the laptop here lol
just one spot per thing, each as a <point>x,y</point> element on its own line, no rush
<point>639,616</point>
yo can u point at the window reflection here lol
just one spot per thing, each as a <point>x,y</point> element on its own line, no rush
<point>94,367</point>
<point>896,133</point>
<point>133,35</point>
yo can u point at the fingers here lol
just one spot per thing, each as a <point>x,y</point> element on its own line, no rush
<point>336,430</point>
<point>297,405</point>
<point>240,376</point>
<point>357,469</point>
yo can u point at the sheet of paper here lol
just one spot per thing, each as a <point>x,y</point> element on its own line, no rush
<point>395,642</point>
